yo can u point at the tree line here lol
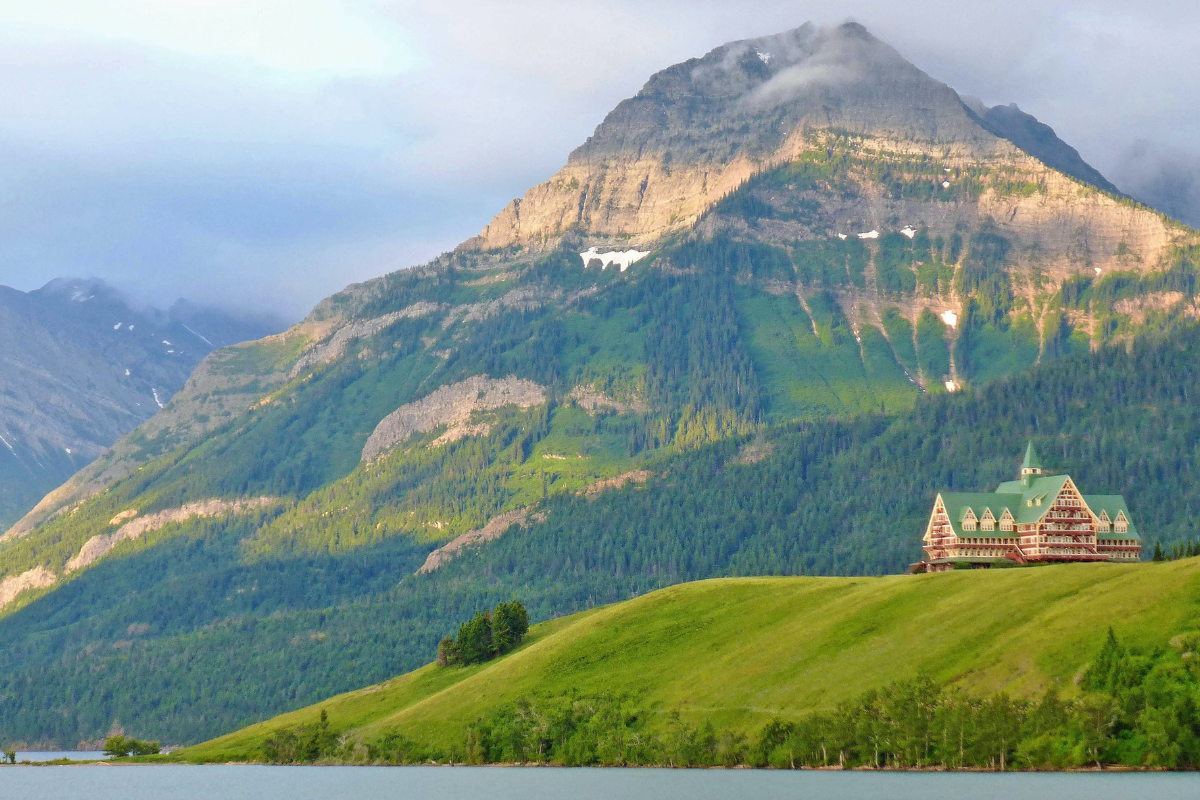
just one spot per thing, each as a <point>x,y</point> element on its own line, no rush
<point>1176,550</point>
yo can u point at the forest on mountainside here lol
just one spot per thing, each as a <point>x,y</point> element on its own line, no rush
<point>815,498</point>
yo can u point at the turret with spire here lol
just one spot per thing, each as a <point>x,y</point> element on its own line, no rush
<point>1031,467</point>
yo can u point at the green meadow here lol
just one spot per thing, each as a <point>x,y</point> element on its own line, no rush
<point>739,651</point>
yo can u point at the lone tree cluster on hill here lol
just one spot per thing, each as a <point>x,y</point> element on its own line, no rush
<point>487,635</point>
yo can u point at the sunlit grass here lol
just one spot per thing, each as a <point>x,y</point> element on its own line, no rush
<point>741,650</point>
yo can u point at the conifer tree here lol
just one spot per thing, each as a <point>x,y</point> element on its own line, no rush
<point>447,652</point>
<point>510,622</point>
<point>474,642</point>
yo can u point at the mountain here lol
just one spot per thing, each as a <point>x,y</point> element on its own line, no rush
<point>782,295</point>
<point>1039,140</point>
<point>739,652</point>
<point>81,367</point>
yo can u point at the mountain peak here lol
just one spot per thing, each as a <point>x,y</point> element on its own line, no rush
<point>699,129</point>
<point>744,95</point>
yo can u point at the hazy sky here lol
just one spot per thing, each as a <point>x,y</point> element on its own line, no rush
<point>264,153</point>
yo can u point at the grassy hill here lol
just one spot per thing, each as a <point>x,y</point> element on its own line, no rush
<point>738,652</point>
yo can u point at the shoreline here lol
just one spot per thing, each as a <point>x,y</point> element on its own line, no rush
<point>157,761</point>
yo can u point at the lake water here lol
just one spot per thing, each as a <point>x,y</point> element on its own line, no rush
<point>500,783</point>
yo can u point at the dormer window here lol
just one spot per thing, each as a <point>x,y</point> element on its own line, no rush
<point>987,522</point>
<point>1122,523</point>
<point>1103,523</point>
<point>969,520</point>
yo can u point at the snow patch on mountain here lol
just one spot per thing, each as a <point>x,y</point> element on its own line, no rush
<point>620,258</point>
<point>198,336</point>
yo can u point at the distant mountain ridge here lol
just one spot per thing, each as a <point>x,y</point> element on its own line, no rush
<point>1039,140</point>
<point>81,365</point>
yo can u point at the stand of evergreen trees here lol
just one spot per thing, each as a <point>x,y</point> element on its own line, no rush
<point>1176,551</point>
<point>486,635</point>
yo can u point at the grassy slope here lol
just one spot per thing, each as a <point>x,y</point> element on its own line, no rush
<point>741,650</point>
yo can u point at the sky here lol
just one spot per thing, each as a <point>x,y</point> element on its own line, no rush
<point>261,154</point>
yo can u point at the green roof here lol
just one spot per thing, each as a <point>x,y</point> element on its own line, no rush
<point>957,503</point>
<point>1028,504</point>
<point>1113,504</point>
<point>1031,458</point>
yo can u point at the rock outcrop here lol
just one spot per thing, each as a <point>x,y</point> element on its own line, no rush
<point>452,406</point>
<point>335,348</point>
<point>618,481</point>
<point>592,400</point>
<point>493,530</point>
<point>36,578</point>
<point>97,546</point>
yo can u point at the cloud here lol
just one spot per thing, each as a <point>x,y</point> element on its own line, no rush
<point>271,151</point>
<point>1163,177</point>
<point>314,39</point>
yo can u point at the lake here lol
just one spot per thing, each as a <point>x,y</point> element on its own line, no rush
<point>500,783</point>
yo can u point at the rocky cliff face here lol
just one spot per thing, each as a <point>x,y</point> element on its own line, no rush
<point>699,129</point>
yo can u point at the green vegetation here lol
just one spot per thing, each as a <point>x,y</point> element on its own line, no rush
<point>894,266</point>
<point>231,640</point>
<point>831,264</point>
<point>933,354</point>
<point>485,636</point>
<point>984,278</point>
<point>811,366</point>
<point>121,746</point>
<point>1138,708</point>
<point>1187,549</point>
<point>979,667</point>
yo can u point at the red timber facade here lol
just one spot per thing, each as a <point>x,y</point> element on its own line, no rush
<point>1037,518</point>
